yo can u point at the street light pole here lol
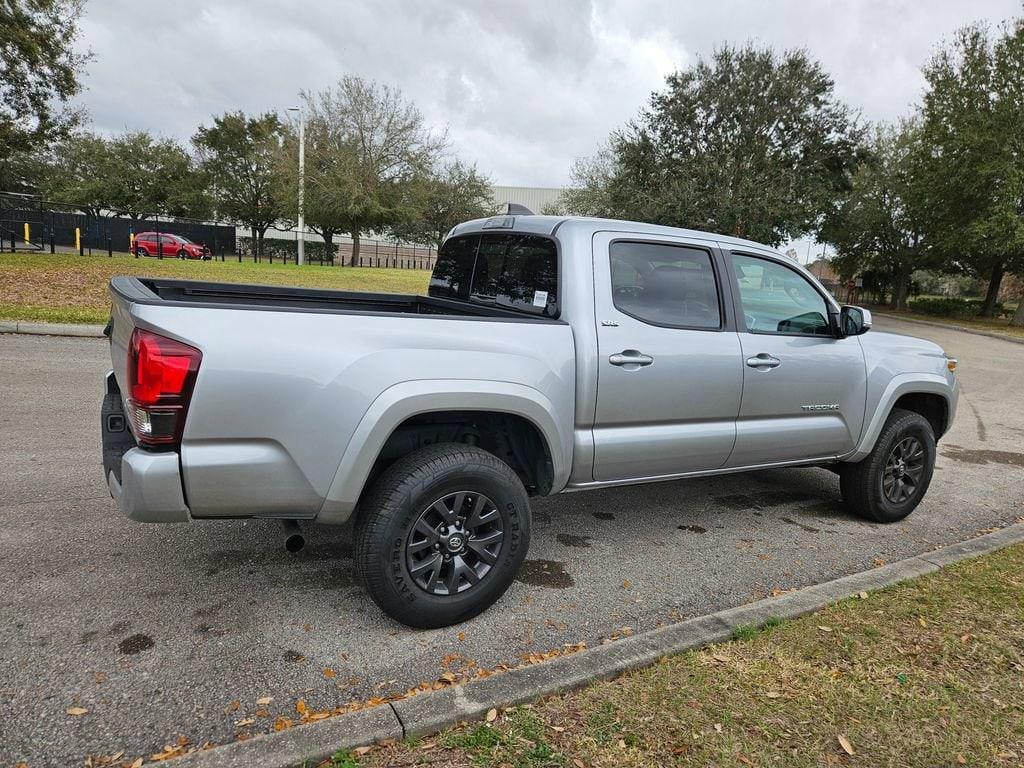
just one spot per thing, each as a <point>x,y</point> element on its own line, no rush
<point>302,185</point>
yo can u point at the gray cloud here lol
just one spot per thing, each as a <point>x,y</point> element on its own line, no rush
<point>522,88</point>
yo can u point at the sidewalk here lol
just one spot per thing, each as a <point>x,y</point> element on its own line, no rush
<point>50,329</point>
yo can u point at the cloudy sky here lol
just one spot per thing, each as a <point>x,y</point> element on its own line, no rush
<point>523,88</point>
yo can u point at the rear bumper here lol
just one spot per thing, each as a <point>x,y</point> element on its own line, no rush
<point>150,487</point>
<point>146,485</point>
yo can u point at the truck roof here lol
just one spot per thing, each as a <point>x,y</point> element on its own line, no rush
<point>548,225</point>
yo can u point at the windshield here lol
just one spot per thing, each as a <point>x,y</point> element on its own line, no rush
<point>514,271</point>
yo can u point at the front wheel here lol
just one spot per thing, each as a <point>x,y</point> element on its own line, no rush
<point>891,481</point>
<point>441,535</point>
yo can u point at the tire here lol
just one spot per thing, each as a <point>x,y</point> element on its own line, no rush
<point>875,490</point>
<point>182,255</point>
<point>391,539</point>
<point>140,252</point>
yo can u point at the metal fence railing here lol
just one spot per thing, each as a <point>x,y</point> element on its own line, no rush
<point>28,223</point>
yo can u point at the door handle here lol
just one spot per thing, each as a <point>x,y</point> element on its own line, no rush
<point>763,361</point>
<point>630,359</point>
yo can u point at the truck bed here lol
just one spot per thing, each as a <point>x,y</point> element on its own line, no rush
<point>199,293</point>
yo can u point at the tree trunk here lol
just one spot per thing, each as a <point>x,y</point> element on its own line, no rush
<point>354,261</point>
<point>901,288</point>
<point>328,236</point>
<point>260,233</point>
<point>996,279</point>
<point>1018,316</point>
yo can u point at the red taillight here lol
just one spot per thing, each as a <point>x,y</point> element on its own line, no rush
<point>161,373</point>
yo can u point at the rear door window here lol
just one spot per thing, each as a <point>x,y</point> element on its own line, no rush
<point>513,271</point>
<point>668,285</point>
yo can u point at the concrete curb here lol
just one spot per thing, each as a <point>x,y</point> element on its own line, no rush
<point>431,712</point>
<point>949,326</point>
<point>50,329</point>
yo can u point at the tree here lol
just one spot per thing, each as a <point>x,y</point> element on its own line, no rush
<point>590,193</point>
<point>149,176</point>
<point>134,173</point>
<point>323,209</point>
<point>750,143</point>
<point>39,69</point>
<point>877,227</point>
<point>372,159</point>
<point>80,174</point>
<point>237,154</point>
<point>973,175</point>
<point>453,194</point>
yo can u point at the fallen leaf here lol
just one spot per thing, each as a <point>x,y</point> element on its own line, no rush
<point>773,694</point>
<point>845,744</point>
<point>878,562</point>
<point>77,711</point>
<point>921,621</point>
<point>244,722</point>
<point>627,584</point>
<point>492,715</point>
<point>300,706</point>
<point>361,750</point>
<point>264,701</point>
<point>961,760</point>
<point>137,763</point>
<point>308,627</point>
<point>462,636</point>
<point>823,628</point>
<point>329,673</point>
<point>718,727</point>
<point>578,763</point>
<point>281,723</point>
<point>863,595</point>
<point>720,658</point>
<point>232,707</point>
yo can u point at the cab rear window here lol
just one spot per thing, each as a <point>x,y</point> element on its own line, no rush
<point>509,270</point>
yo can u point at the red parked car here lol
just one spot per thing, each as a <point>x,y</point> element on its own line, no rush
<point>170,245</point>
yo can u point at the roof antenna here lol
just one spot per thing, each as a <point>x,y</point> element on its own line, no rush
<point>515,209</point>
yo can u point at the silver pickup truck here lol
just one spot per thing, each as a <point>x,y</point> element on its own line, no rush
<point>550,354</point>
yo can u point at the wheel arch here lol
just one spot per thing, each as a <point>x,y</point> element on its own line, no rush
<point>409,415</point>
<point>926,394</point>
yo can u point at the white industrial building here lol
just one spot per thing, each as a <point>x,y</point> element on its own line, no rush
<point>534,198</point>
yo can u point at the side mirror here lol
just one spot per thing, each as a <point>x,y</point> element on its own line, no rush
<point>853,321</point>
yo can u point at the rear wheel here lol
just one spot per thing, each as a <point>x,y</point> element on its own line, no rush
<point>182,255</point>
<point>140,252</point>
<point>441,535</point>
<point>891,481</point>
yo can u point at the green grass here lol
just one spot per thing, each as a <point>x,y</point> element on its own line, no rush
<point>925,673</point>
<point>68,288</point>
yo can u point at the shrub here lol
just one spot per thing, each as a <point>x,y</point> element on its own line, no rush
<point>962,308</point>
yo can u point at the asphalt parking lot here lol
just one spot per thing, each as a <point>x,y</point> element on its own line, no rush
<point>157,631</point>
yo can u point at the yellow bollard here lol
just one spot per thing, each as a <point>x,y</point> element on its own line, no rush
<point>78,239</point>
<point>27,240</point>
